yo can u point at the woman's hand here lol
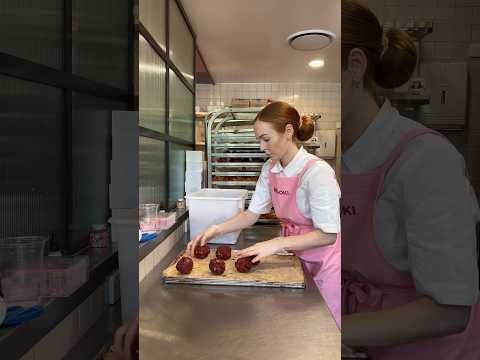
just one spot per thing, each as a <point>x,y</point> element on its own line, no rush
<point>125,343</point>
<point>261,249</point>
<point>203,238</point>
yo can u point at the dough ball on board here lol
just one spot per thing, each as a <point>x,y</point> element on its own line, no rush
<point>217,266</point>
<point>184,265</point>
<point>201,252</point>
<point>223,252</point>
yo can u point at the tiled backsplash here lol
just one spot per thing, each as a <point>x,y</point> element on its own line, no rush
<point>456,26</point>
<point>456,23</point>
<point>148,264</point>
<point>306,97</point>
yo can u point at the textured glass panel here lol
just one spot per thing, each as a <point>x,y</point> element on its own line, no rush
<point>33,30</point>
<point>177,172</point>
<point>152,172</point>
<point>181,117</point>
<point>152,80</point>
<point>152,16</point>
<point>32,164</point>
<point>91,154</point>
<point>181,43</point>
<point>100,41</point>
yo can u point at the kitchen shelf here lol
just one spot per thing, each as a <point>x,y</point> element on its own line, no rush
<point>236,173</point>
<point>234,183</point>
<point>239,155</point>
<point>236,145</point>
<point>237,164</point>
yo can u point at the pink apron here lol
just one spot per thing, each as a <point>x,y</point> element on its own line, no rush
<point>323,263</point>
<point>370,283</point>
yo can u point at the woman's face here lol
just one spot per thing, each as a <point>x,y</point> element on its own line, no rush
<point>273,143</point>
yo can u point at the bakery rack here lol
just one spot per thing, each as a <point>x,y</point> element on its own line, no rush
<point>234,158</point>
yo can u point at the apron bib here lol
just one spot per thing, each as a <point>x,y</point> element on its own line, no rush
<point>370,283</point>
<point>323,263</point>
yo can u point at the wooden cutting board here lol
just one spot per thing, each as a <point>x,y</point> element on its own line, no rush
<point>273,271</point>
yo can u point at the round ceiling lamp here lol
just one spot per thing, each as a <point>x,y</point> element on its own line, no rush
<point>317,63</point>
<point>310,40</point>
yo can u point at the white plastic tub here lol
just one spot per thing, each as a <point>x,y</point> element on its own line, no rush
<point>214,206</point>
<point>194,166</point>
<point>196,156</point>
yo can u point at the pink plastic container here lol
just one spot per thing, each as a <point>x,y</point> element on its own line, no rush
<point>63,275</point>
<point>160,222</point>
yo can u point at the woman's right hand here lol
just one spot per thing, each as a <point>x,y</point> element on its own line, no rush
<point>203,238</point>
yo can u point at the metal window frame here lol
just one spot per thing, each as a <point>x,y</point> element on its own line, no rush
<point>140,29</point>
<point>64,78</point>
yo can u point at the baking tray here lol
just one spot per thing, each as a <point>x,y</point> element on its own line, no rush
<point>273,271</point>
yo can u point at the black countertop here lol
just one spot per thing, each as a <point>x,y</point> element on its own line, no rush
<point>17,341</point>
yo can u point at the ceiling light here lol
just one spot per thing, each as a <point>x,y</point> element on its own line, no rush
<point>317,63</point>
<point>309,40</point>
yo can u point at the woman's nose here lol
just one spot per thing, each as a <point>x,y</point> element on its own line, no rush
<point>262,146</point>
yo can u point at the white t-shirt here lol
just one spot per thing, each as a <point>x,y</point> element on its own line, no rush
<point>425,216</point>
<point>318,196</point>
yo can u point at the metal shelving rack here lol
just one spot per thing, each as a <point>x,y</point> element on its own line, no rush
<point>234,158</point>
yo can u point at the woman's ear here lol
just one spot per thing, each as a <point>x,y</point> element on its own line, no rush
<point>357,65</point>
<point>289,131</point>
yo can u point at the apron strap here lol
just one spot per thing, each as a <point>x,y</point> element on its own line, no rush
<point>398,149</point>
<point>272,164</point>
<point>306,167</point>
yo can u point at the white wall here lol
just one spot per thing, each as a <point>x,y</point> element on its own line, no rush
<point>456,25</point>
<point>306,97</point>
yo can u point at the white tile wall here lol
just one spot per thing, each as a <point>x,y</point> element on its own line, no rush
<point>456,25</point>
<point>149,263</point>
<point>306,97</point>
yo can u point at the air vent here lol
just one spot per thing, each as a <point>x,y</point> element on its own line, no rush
<point>310,40</point>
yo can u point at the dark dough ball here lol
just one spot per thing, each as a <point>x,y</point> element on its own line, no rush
<point>243,265</point>
<point>185,265</point>
<point>201,252</point>
<point>251,258</point>
<point>224,252</point>
<point>217,266</point>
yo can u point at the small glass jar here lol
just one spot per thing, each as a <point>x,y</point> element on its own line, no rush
<point>181,204</point>
<point>99,235</point>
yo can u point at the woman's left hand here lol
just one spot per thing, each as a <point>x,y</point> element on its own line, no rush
<point>261,249</point>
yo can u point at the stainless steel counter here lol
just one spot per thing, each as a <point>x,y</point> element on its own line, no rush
<point>196,322</point>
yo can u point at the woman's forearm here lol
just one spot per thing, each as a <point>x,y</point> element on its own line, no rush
<point>240,221</point>
<point>415,321</point>
<point>306,241</point>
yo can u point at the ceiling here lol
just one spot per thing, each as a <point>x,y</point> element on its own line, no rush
<point>245,40</point>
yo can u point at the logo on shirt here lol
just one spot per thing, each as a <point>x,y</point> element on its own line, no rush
<point>280,192</point>
<point>348,210</point>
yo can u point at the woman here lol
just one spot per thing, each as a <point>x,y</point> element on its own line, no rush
<point>409,273</point>
<point>305,196</point>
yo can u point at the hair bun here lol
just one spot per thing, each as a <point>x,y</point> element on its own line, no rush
<point>306,129</point>
<point>398,59</point>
